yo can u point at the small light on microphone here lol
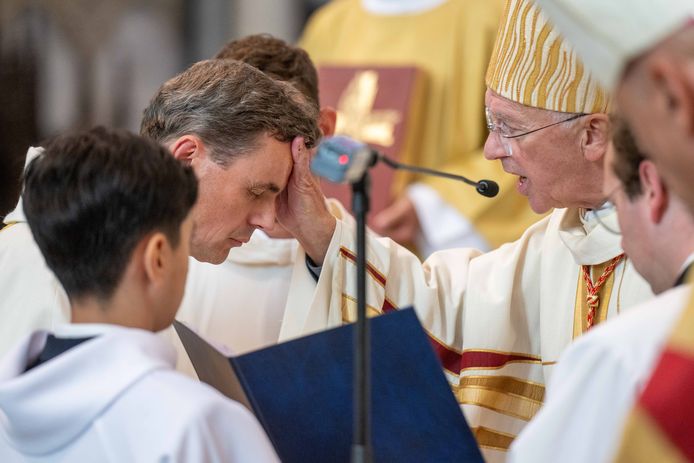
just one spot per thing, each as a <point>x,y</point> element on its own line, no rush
<point>343,159</point>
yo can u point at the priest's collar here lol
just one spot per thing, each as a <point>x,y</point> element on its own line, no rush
<point>604,216</point>
<point>589,242</point>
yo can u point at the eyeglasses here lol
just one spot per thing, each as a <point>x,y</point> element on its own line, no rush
<point>504,132</point>
<point>609,204</point>
<point>597,213</point>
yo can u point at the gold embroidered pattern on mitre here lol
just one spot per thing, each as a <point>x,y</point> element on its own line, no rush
<point>533,66</point>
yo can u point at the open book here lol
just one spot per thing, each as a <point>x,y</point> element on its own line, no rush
<point>301,392</point>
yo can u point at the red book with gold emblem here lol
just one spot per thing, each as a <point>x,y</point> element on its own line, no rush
<point>380,106</point>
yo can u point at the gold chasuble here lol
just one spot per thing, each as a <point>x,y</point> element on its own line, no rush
<point>450,44</point>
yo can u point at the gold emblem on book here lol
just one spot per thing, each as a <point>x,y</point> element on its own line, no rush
<point>356,116</point>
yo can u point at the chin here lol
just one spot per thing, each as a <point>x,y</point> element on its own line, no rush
<point>210,256</point>
<point>539,207</point>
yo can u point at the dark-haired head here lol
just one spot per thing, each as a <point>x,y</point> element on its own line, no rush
<point>627,158</point>
<point>278,59</point>
<point>93,195</point>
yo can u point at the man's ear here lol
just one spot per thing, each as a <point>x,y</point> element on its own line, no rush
<point>327,121</point>
<point>187,148</point>
<point>674,92</point>
<point>156,258</point>
<point>654,191</point>
<point>596,136</point>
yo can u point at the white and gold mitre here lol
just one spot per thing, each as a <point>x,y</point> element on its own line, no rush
<point>533,66</point>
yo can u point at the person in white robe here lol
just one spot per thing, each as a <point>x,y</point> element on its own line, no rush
<point>104,388</point>
<point>598,378</point>
<point>33,297</point>
<point>500,320</point>
<point>644,52</point>
<point>117,398</point>
<point>241,302</point>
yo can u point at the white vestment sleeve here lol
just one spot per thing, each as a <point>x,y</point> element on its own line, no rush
<point>580,405</point>
<point>595,385</point>
<point>225,431</point>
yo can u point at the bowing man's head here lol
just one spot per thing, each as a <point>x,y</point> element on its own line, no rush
<point>110,212</point>
<point>234,126</point>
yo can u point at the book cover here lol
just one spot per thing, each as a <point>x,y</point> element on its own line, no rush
<point>301,392</point>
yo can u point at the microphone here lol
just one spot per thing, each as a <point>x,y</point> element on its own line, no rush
<point>341,159</point>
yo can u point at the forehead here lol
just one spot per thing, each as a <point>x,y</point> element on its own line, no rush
<point>507,109</point>
<point>268,164</point>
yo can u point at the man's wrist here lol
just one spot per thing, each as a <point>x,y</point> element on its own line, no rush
<point>317,241</point>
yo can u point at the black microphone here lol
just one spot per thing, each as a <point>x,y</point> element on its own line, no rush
<point>341,159</point>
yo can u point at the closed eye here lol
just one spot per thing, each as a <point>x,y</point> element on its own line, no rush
<point>255,193</point>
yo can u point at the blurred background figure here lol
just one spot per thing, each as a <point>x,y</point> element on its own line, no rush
<point>76,63</point>
<point>448,43</point>
<point>73,64</point>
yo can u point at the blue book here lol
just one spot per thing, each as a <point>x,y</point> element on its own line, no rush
<point>301,392</point>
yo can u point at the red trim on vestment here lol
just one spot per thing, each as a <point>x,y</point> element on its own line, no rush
<point>449,358</point>
<point>388,307</point>
<point>485,359</point>
<point>369,268</point>
<point>669,400</point>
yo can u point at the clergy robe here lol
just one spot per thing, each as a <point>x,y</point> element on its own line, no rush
<point>116,397</point>
<point>498,321</point>
<point>31,297</point>
<point>451,43</point>
<point>596,383</point>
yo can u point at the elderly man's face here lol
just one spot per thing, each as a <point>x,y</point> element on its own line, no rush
<point>647,107</point>
<point>235,200</point>
<point>549,164</point>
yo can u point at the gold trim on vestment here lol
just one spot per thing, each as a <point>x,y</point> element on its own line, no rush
<point>491,439</point>
<point>643,441</point>
<point>444,344</point>
<point>501,366</point>
<point>581,305</point>
<point>506,404</point>
<point>504,352</point>
<point>349,309</point>
<point>506,384</point>
<point>8,225</point>
<point>348,256</point>
<point>508,396</point>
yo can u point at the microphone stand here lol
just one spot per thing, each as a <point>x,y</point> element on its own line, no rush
<point>362,450</point>
<point>343,160</point>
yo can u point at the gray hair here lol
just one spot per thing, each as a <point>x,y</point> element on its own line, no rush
<point>229,105</point>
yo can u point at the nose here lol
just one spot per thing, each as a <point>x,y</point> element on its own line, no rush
<point>493,149</point>
<point>264,215</point>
